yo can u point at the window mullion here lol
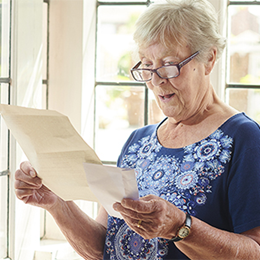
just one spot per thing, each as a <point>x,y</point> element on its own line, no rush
<point>243,3</point>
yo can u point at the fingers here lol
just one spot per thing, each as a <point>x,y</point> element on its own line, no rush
<point>23,181</point>
<point>24,194</point>
<point>148,216</point>
<point>27,168</point>
<point>135,215</point>
<point>146,205</point>
<point>26,181</point>
<point>149,209</point>
<point>25,176</point>
<point>147,226</point>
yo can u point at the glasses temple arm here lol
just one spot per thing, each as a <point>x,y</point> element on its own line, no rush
<point>184,62</point>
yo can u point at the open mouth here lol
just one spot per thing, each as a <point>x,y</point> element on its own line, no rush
<point>166,97</point>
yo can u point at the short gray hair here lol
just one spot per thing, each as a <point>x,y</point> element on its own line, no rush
<point>182,22</point>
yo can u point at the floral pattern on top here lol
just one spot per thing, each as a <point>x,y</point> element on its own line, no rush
<point>182,176</point>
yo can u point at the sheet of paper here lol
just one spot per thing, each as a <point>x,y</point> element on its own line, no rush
<point>111,184</point>
<point>54,148</point>
<point>58,152</point>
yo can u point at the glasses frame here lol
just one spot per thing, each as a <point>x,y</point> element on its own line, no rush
<point>179,66</point>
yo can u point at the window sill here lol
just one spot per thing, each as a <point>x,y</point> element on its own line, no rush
<point>55,250</point>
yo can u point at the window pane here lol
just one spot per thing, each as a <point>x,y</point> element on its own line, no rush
<point>4,38</point>
<point>119,110</point>
<point>3,129</point>
<point>245,100</point>
<point>3,216</point>
<point>115,43</point>
<point>244,44</point>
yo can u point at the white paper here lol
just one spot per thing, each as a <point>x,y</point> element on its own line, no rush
<point>54,148</point>
<point>58,152</point>
<point>111,184</point>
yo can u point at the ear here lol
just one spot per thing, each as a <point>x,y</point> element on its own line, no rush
<point>209,65</point>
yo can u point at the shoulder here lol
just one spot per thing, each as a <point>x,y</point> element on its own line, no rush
<point>245,133</point>
<point>240,125</point>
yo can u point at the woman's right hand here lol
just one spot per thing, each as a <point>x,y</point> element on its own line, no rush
<point>29,188</point>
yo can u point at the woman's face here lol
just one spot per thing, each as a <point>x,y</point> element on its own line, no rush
<point>181,97</point>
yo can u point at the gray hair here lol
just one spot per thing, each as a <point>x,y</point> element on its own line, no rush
<point>191,23</point>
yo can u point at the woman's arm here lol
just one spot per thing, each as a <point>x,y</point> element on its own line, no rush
<point>86,235</point>
<point>207,242</point>
<point>162,219</point>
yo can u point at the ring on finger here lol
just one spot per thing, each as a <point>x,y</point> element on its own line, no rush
<point>139,223</point>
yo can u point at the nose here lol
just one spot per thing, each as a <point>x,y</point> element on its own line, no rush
<point>156,80</point>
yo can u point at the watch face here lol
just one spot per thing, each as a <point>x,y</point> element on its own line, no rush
<point>184,232</point>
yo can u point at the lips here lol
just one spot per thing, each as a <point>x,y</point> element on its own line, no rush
<point>166,97</point>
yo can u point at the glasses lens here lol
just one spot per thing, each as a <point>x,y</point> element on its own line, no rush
<point>168,72</point>
<point>142,75</point>
<point>137,75</point>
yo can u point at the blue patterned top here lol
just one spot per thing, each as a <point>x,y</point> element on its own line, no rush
<point>216,180</point>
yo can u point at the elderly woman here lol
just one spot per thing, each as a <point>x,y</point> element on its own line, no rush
<point>197,176</point>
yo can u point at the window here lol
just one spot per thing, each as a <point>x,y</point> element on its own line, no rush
<point>121,104</point>
<point>243,57</point>
<point>4,135</point>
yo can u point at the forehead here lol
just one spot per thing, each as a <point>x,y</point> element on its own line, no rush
<point>159,51</point>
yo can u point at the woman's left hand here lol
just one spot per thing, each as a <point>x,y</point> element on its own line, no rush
<point>151,216</point>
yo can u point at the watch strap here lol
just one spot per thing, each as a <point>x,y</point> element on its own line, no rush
<point>187,224</point>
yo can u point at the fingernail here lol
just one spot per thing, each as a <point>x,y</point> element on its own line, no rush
<point>115,206</point>
<point>32,173</point>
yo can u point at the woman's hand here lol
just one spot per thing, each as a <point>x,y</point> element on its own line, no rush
<point>29,188</point>
<point>85,235</point>
<point>151,216</point>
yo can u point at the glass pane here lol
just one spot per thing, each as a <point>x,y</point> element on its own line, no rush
<point>3,216</point>
<point>119,110</point>
<point>244,45</point>
<point>4,37</point>
<point>245,100</point>
<point>115,43</point>
<point>3,130</point>
<point>155,113</point>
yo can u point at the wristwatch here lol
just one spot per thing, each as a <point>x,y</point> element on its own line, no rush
<point>184,231</point>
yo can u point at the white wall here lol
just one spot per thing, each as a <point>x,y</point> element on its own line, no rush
<point>66,52</point>
<point>72,56</point>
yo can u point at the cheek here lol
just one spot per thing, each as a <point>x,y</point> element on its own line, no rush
<point>184,90</point>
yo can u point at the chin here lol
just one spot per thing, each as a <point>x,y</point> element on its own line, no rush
<point>170,113</point>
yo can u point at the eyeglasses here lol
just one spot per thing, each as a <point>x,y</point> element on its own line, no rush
<point>164,72</point>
